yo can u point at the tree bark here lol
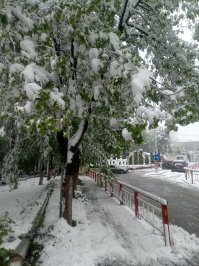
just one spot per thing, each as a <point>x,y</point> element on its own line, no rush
<point>41,177</point>
<point>75,180</point>
<point>50,169</point>
<point>69,183</point>
<point>71,168</point>
<point>41,174</point>
<point>76,170</point>
<point>71,173</point>
<point>68,196</point>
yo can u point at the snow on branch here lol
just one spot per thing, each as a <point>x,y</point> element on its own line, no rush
<point>33,73</point>
<point>75,139</point>
<point>28,48</point>
<point>139,83</point>
<point>27,22</point>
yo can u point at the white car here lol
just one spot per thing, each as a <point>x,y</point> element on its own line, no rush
<point>118,169</point>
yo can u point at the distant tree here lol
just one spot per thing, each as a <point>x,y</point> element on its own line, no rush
<point>151,157</point>
<point>163,140</point>
<point>140,157</point>
<point>135,156</point>
<point>146,159</point>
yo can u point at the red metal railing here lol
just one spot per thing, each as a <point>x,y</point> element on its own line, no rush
<point>192,172</point>
<point>145,205</point>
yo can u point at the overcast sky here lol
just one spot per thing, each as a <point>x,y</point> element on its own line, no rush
<point>189,133</point>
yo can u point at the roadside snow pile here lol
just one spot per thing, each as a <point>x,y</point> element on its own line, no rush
<point>108,235</point>
<point>169,176</point>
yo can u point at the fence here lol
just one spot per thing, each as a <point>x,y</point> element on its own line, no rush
<point>145,205</point>
<point>192,172</point>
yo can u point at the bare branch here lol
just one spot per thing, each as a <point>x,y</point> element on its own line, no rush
<point>159,90</point>
<point>137,12</point>
<point>120,25</point>
<point>138,2</point>
<point>132,25</point>
<point>148,6</point>
<point>144,7</point>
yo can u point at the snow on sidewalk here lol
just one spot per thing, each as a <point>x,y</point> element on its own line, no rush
<point>108,235</point>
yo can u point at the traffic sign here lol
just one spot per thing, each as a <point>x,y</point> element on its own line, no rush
<point>156,157</point>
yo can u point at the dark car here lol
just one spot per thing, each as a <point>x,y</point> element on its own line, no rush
<point>166,164</point>
<point>118,169</point>
<point>178,166</point>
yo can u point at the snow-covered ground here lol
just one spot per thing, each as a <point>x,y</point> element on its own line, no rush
<point>22,206</point>
<point>106,234</point>
<point>174,177</point>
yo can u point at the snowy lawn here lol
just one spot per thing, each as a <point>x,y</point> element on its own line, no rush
<point>22,206</point>
<point>108,234</point>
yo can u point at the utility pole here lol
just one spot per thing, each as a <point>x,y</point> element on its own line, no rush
<point>155,141</point>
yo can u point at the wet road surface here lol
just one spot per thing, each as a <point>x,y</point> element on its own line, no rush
<point>183,202</point>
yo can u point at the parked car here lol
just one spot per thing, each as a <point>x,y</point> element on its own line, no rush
<point>178,166</point>
<point>118,169</point>
<point>167,164</point>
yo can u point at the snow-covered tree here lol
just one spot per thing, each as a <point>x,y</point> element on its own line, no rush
<point>66,66</point>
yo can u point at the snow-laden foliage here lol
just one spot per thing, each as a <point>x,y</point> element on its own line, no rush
<point>66,64</point>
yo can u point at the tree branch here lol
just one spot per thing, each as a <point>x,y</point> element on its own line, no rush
<point>132,25</point>
<point>138,2</point>
<point>74,63</point>
<point>120,25</point>
<point>58,53</point>
<point>137,12</point>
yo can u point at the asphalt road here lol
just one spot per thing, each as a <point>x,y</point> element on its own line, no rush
<point>183,202</point>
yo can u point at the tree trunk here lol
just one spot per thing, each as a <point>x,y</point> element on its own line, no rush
<point>41,177</point>
<point>75,180</point>
<point>68,185</point>
<point>47,168</point>
<point>50,169</point>
<point>76,158</point>
<point>50,173</point>
<point>41,174</point>
<point>68,195</point>
<point>71,168</point>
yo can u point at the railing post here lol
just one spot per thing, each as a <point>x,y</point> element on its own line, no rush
<point>95,176</point>
<point>192,176</point>
<point>186,173</point>
<point>101,182</point>
<point>136,204</point>
<point>165,219</point>
<point>111,184</point>
<point>121,194</point>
